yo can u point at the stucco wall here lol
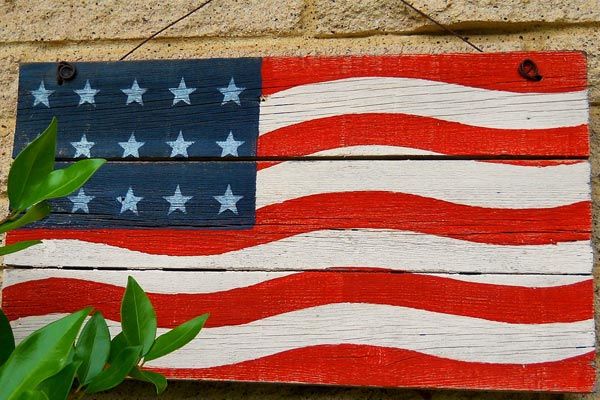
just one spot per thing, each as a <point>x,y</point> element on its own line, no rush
<point>52,30</point>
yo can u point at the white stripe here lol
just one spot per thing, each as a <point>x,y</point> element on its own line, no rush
<point>397,250</point>
<point>167,282</point>
<point>442,335</point>
<point>373,150</point>
<point>172,282</point>
<point>444,101</point>
<point>471,183</point>
<point>535,281</point>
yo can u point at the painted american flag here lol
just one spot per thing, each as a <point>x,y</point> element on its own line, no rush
<point>416,221</point>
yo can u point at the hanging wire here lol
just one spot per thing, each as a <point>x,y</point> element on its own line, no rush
<point>201,6</point>
<point>444,27</point>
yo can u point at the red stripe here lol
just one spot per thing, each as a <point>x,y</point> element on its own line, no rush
<point>511,304</point>
<point>450,138</point>
<point>360,365</point>
<point>350,210</point>
<point>562,71</point>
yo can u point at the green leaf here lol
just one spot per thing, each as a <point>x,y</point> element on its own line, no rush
<point>7,339</point>
<point>35,213</point>
<point>33,395</point>
<point>31,166</point>
<point>93,348</point>
<point>58,386</point>
<point>176,338</point>
<point>138,319</point>
<point>63,182</point>
<point>116,372</point>
<point>117,344</point>
<point>42,354</point>
<point>158,380</point>
<point>13,248</point>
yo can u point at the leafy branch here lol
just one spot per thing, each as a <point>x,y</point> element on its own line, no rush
<point>32,181</point>
<point>51,361</point>
<point>70,351</point>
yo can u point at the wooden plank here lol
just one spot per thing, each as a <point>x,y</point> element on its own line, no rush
<point>153,100</point>
<point>413,221</point>
<point>496,217</point>
<point>319,107</point>
<point>405,332</point>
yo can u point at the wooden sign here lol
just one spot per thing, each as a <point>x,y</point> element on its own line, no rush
<point>405,221</point>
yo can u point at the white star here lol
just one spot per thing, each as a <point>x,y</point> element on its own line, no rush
<point>228,201</point>
<point>182,93</point>
<point>177,201</point>
<point>230,145</point>
<point>86,95</point>
<point>231,93</point>
<point>129,202</point>
<point>131,147</point>
<point>180,146</point>
<point>135,93</point>
<point>82,148</point>
<point>41,95</point>
<point>80,201</point>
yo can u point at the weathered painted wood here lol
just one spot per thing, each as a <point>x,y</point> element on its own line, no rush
<point>539,326</point>
<point>320,250</point>
<point>153,100</point>
<point>452,104</point>
<point>496,217</point>
<point>367,106</point>
<point>468,266</point>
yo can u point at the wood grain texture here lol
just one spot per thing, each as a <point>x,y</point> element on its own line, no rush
<point>295,107</point>
<point>404,221</point>
<point>287,316</point>
<point>423,105</point>
<point>156,116</point>
<point>496,217</point>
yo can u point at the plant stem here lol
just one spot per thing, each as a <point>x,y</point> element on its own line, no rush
<point>11,216</point>
<point>77,394</point>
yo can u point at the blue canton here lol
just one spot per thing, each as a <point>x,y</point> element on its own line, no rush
<point>163,125</point>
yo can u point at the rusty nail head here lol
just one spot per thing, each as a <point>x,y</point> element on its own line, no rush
<point>528,69</point>
<point>65,72</point>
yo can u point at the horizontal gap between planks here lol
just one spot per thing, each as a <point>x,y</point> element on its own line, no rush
<point>342,270</point>
<point>440,157</point>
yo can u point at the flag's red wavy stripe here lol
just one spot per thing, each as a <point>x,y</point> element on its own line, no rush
<point>488,71</point>
<point>450,138</point>
<point>511,304</point>
<point>350,210</point>
<point>361,365</point>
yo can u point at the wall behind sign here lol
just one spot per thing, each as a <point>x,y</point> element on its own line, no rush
<point>49,30</point>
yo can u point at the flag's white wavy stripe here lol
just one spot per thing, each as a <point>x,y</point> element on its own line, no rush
<point>444,101</point>
<point>169,282</point>
<point>473,183</point>
<point>537,281</point>
<point>373,150</point>
<point>442,335</point>
<point>397,250</point>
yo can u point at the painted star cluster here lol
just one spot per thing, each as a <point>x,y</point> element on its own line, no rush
<point>128,202</point>
<point>169,131</point>
<point>135,94</point>
<point>132,144</point>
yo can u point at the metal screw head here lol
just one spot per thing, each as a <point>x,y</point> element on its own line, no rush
<point>528,70</point>
<point>65,72</point>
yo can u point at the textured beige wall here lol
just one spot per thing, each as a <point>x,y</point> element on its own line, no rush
<point>52,30</point>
